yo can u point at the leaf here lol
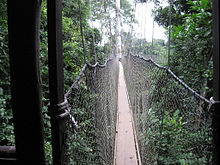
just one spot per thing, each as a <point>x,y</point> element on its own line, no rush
<point>204,4</point>
<point>207,33</point>
<point>176,112</point>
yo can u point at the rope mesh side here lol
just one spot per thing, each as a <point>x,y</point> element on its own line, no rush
<point>173,124</point>
<point>93,102</point>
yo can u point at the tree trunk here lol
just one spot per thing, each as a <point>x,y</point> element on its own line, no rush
<point>118,30</point>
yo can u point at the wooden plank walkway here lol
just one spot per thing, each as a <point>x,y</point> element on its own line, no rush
<point>125,152</point>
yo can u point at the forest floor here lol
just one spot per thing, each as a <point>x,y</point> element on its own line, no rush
<point>125,152</point>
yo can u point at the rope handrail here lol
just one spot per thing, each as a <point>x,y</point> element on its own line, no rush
<point>175,77</point>
<point>75,81</point>
<point>97,64</point>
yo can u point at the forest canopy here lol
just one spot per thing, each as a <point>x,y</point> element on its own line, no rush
<point>89,34</point>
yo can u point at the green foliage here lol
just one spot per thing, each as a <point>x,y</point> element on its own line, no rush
<point>191,60</point>
<point>170,139</point>
<point>192,47</point>
<point>6,125</point>
<point>191,42</point>
<point>126,11</point>
<point>82,146</point>
<point>175,139</point>
<point>73,61</point>
<point>179,8</point>
<point>157,51</point>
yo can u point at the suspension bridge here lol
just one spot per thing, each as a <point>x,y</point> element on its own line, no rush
<point>152,116</point>
<point>127,112</point>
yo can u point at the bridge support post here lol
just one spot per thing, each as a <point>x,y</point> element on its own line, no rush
<point>56,77</point>
<point>216,83</point>
<point>24,52</point>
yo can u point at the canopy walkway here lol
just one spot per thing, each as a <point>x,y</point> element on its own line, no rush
<point>132,112</point>
<point>168,116</point>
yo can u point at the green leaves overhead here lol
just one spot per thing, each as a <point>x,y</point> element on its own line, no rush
<point>191,52</point>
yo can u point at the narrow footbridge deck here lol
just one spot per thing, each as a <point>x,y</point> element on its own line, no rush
<point>125,149</point>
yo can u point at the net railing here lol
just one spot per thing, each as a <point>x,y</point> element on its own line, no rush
<point>173,122</point>
<point>92,102</point>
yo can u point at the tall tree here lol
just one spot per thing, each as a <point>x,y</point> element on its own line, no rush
<point>118,29</point>
<point>191,41</point>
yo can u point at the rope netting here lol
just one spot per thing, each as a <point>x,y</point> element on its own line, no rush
<point>173,123</point>
<point>93,103</point>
